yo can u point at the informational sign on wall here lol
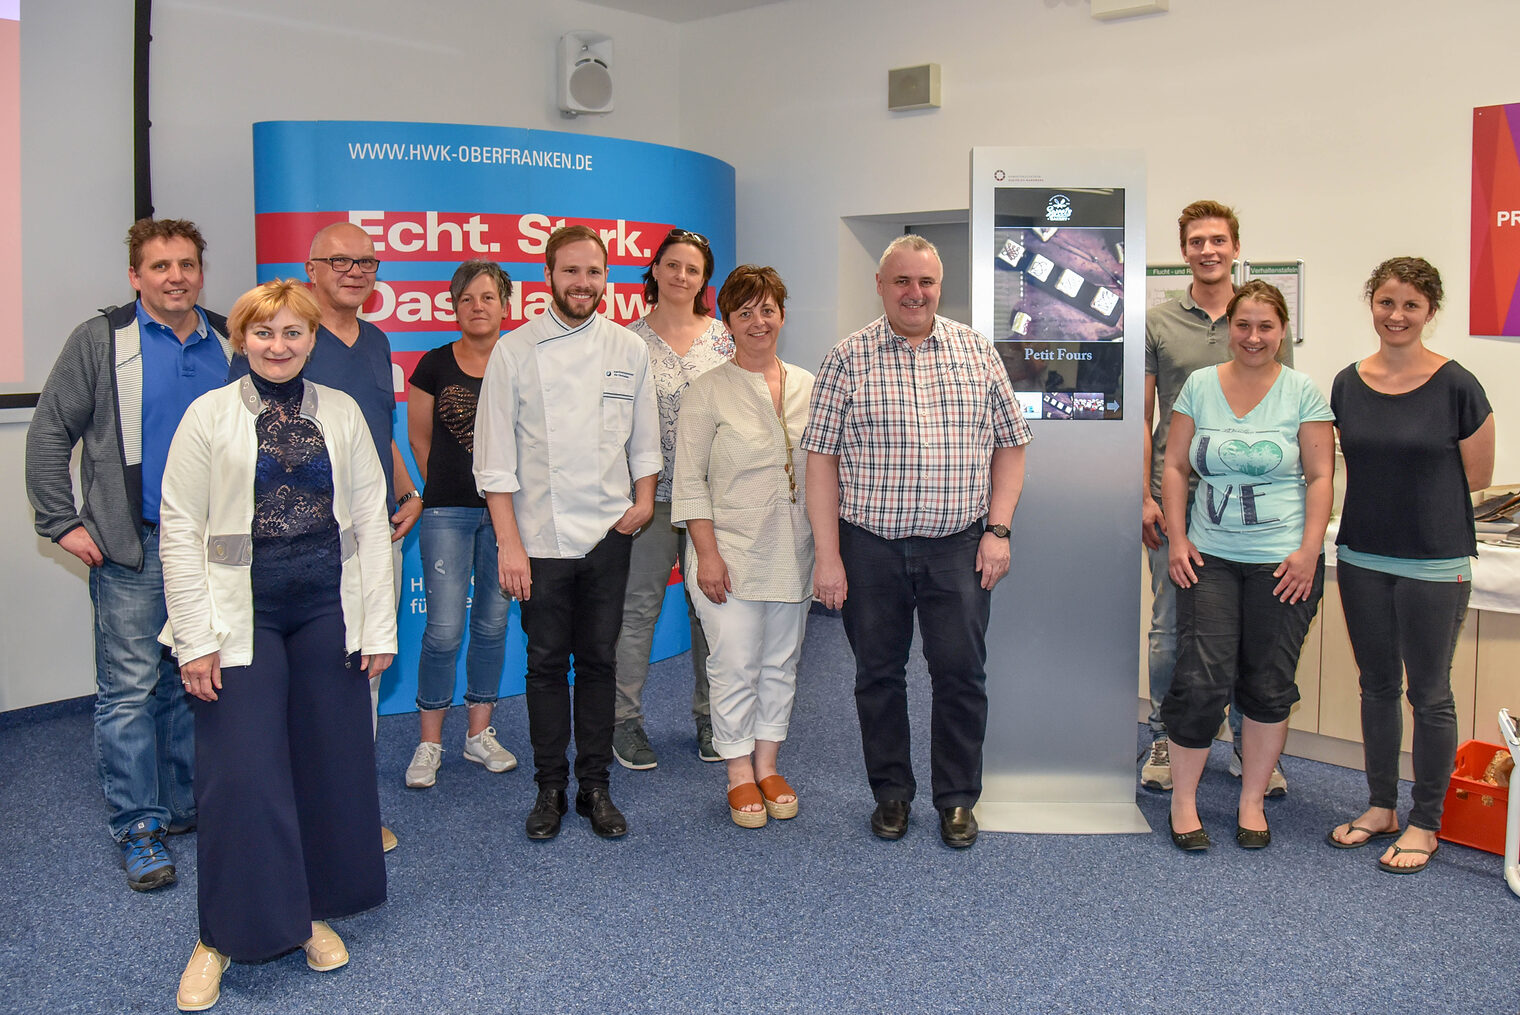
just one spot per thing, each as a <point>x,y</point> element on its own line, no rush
<point>433,195</point>
<point>1288,277</point>
<point>1494,307</point>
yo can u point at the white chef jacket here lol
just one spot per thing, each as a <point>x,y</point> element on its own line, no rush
<point>567,419</point>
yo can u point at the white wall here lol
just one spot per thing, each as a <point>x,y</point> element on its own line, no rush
<point>1340,131</point>
<point>219,66</point>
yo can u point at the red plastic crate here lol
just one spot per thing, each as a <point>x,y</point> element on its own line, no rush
<point>1475,810</point>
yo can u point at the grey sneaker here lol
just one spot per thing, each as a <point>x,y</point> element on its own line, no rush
<point>423,771</point>
<point>1277,783</point>
<point>484,749</point>
<point>705,749</point>
<point>631,747</point>
<point>1156,773</point>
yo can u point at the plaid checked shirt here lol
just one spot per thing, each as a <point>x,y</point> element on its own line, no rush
<point>914,429</point>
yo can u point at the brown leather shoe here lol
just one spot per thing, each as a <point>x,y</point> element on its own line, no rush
<point>201,983</point>
<point>324,949</point>
<point>387,839</point>
<point>957,826</point>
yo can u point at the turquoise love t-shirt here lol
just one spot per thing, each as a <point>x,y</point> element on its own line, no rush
<point>1250,501</point>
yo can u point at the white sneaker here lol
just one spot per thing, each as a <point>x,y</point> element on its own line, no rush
<point>423,771</point>
<point>1277,783</point>
<point>1156,773</point>
<point>484,749</point>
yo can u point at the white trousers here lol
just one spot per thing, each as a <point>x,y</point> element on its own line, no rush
<point>753,648</point>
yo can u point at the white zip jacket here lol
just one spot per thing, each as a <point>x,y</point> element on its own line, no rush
<point>206,515</point>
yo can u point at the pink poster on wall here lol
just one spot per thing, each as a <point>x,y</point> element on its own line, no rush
<point>1495,301</point>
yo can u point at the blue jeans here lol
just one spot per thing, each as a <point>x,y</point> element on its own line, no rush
<point>1162,638</point>
<point>453,541</point>
<point>890,579</point>
<point>144,736</point>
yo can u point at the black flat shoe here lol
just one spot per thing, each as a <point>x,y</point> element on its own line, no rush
<point>544,818</point>
<point>1189,842</point>
<point>595,805</point>
<point>957,827</point>
<point>1250,838</point>
<point>890,819</point>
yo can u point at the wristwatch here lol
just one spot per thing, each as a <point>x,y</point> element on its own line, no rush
<point>1001,531</point>
<point>406,497</point>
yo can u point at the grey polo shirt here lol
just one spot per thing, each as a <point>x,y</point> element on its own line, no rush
<point>1180,338</point>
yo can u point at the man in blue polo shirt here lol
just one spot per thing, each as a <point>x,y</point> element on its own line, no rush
<point>120,386</point>
<point>354,356</point>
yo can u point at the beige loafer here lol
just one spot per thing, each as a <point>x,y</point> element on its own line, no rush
<point>201,983</point>
<point>387,839</point>
<point>324,949</point>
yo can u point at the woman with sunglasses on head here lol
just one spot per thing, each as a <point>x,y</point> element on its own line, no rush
<point>1417,434</point>
<point>739,482</point>
<point>684,343</point>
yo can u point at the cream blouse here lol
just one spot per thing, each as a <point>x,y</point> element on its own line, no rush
<point>731,467</point>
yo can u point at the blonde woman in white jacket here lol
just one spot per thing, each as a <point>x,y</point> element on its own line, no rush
<point>277,575</point>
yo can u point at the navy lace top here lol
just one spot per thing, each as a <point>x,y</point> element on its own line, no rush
<point>297,558</point>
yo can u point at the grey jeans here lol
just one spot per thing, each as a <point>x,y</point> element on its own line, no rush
<point>656,548</point>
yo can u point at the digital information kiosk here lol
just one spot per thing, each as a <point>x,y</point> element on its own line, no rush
<point>1057,247</point>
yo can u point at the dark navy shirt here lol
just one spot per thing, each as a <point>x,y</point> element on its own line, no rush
<point>174,374</point>
<point>363,371</point>
<point>296,550</point>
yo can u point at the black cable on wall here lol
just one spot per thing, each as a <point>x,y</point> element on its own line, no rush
<point>142,172</point>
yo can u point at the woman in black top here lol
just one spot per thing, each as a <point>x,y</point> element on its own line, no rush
<point>456,537</point>
<point>1417,435</point>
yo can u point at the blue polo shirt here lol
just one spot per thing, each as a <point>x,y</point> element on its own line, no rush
<point>174,374</point>
<point>363,372</point>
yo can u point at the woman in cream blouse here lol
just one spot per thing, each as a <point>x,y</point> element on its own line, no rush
<point>738,486</point>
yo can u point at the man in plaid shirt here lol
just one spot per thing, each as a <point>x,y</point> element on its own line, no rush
<point>917,461</point>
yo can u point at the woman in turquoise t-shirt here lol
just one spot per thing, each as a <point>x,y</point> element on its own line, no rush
<point>1249,563</point>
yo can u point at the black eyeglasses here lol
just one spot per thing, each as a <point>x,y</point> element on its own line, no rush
<point>341,265</point>
<point>682,236</point>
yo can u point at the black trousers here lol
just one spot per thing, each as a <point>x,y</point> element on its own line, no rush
<point>576,609</point>
<point>1404,626</point>
<point>289,812</point>
<point>1235,637</point>
<point>890,579</point>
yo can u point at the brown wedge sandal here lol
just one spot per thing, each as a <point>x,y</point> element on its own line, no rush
<point>773,786</point>
<point>742,796</point>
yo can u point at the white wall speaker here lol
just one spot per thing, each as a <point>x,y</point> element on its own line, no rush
<point>913,87</point>
<point>585,73</point>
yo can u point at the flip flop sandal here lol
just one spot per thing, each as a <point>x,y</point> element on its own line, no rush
<point>1393,869</point>
<point>742,796</point>
<point>1371,836</point>
<point>773,786</point>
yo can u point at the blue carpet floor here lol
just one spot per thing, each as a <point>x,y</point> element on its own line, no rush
<point>692,914</point>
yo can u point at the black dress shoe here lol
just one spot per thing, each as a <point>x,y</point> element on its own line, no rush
<point>957,826</point>
<point>890,819</point>
<point>1250,838</point>
<point>543,819</point>
<point>595,804</point>
<point>1189,842</point>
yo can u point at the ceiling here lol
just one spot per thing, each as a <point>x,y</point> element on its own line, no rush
<point>682,10</point>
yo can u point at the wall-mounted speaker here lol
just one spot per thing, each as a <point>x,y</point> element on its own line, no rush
<point>913,87</point>
<point>585,73</point>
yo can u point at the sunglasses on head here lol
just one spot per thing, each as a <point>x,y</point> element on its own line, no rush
<point>685,236</point>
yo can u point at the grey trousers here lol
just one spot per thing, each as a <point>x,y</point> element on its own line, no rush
<point>656,548</point>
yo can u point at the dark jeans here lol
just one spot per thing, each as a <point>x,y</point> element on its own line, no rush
<point>285,786</point>
<point>1233,634</point>
<point>888,580</point>
<point>575,609</point>
<point>1398,626</point>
